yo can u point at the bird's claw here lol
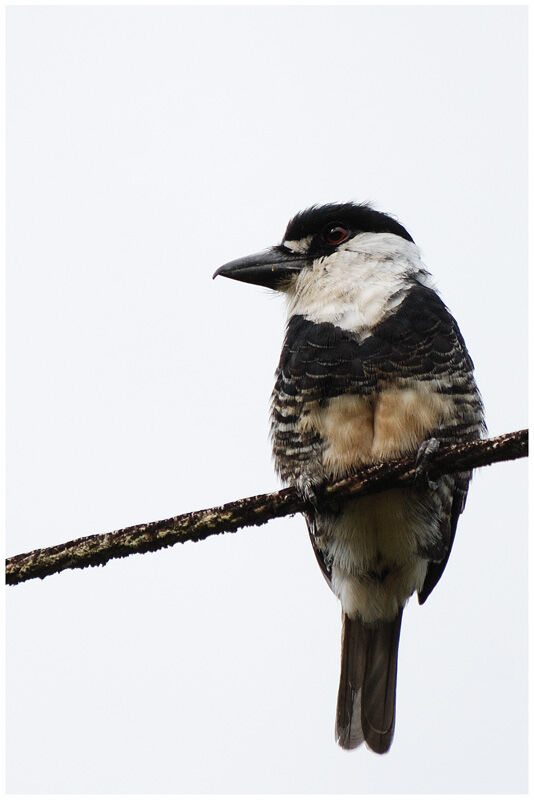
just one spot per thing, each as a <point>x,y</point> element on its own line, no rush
<point>425,454</point>
<point>307,490</point>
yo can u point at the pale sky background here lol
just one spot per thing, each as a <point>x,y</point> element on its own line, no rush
<point>146,147</point>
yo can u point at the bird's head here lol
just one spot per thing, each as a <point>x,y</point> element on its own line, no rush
<point>314,236</point>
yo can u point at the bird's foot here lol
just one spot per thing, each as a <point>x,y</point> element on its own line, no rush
<point>308,490</point>
<point>425,454</point>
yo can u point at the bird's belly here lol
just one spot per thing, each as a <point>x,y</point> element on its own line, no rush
<point>387,528</point>
<point>374,546</point>
<point>378,546</point>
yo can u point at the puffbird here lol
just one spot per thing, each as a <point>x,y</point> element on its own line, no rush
<point>373,367</point>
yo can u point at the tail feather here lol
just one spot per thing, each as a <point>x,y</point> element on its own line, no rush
<point>349,732</point>
<point>367,688</point>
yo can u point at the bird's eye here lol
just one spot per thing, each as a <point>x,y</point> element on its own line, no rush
<point>335,234</point>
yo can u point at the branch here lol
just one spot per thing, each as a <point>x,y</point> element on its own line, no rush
<point>97,550</point>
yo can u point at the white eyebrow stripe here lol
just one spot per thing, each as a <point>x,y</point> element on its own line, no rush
<point>300,246</point>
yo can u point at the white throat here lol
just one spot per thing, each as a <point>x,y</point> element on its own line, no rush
<point>359,284</point>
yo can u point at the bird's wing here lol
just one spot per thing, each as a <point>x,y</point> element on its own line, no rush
<point>312,522</point>
<point>435,568</point>
<point>430,345</point>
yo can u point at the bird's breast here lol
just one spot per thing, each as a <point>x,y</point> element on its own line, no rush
<point>364,429</point>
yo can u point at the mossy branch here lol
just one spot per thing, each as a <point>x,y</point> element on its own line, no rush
<point>98,549</point>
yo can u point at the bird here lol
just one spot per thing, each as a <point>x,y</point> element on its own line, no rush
<point>373,368</point>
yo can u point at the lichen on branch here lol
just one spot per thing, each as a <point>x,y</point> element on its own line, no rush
<point>98,549</point>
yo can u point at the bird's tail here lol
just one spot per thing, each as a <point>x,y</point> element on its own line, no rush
<point>367,688</point>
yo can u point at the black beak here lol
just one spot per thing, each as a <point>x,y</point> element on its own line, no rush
<point>271,268</point>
